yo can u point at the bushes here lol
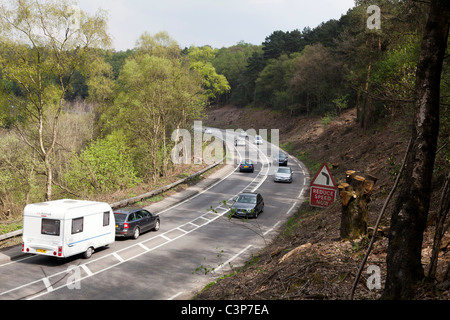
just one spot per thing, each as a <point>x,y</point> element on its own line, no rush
<point>105,165</point>
<point>18,180</point>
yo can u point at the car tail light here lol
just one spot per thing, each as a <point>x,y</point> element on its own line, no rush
<point>59,251</point>
<point>23,246</point>
<point>126,225</point>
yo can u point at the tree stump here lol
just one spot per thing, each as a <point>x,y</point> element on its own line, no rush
<point>355,197</point>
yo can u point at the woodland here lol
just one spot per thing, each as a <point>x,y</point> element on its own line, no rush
<point>79,119</point>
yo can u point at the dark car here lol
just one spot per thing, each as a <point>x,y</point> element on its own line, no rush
<point>246,165</point>
<point>281,158</point>
<point>248,205</point>
<point>131,222</point>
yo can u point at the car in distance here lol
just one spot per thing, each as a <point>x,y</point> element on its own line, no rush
<point>283,174</point>
<point>207,130</point>
<point>240,141</point>
<point>246,165</point>
<point>131,222</point>
<point>247,205</point>
<point>243,134</point>
<point>258,140</point>
<point>281,158</point>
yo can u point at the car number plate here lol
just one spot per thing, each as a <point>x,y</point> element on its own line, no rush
<point>246,167</point>
<point>41,250</point>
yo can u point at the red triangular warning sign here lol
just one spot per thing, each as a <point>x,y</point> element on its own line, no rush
<point>324,178</point>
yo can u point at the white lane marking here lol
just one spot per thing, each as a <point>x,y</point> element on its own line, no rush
<point>116,255</point>
<point>292,207</point>
<point>47,284</point>
<point>86,269</point>
<point>232,258</point>
<point>203,191</point>
<point>271,229</point>
<point>175,295</point>
<point>179,229</point>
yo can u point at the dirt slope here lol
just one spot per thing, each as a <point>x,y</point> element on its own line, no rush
<point>308,260</point>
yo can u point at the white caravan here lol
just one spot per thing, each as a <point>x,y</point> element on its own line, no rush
<point>63,228</point>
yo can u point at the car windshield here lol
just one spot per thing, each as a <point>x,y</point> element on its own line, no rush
<point>246,199</point>
<point>120,217</point>
<point>283,170</point>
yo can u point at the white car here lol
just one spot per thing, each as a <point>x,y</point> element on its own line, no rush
<point>283,174</point>
<point>243,134</point>
<point>239,141</point>
<point>258,140</point>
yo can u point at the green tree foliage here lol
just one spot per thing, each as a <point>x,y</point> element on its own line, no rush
<point>273,83</point>
<point>18,180</point>
<point>41,50</point>
<point>158,92</point>
<point>159,45</point>
<point>201,61</point>
<point>280,42</point>
<point>105,165</point>
<point>232,63</point>
<point>317,79</point>
<point>338,58</point>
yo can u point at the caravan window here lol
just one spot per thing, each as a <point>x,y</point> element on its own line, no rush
<point>106,218</point>
<point>50,227</point>
<point>77,225</point>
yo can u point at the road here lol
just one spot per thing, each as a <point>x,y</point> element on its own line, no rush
<point>196,236</point>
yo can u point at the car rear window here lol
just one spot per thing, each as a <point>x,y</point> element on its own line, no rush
<point>120,217</point>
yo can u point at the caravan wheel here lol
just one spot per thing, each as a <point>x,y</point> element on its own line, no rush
<point>88,253</point>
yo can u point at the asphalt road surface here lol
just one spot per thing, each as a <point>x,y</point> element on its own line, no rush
<point>196,237</point>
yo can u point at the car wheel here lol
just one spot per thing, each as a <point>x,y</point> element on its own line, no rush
<point>88,253</point>
<point>136,233</point>
<point>157,225</point>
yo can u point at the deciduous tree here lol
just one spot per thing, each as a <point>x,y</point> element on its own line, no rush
<point>43,44</point>
<point>404,267</point>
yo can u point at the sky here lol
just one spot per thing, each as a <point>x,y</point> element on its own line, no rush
<point>218,23</point>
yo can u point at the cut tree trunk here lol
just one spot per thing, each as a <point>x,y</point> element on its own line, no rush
<point>355,197</point>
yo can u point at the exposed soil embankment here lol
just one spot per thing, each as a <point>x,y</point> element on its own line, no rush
<point>308,260</point>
